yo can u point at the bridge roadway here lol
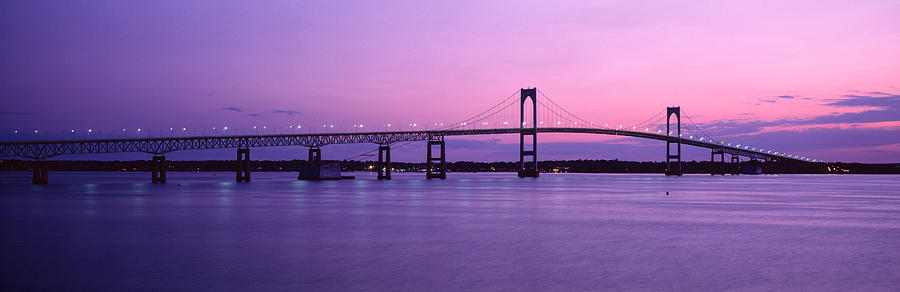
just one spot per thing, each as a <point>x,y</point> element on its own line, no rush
<point>162,145</point>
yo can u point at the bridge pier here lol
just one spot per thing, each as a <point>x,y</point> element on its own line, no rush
<point>721,168</point>
<point>384,162</point>
<point>158,167</point>
<point>673,170</point>
<point>315,169</point>
<point>243,165</point>
<point>315,155</point>
<point>430,171</point>
<point>39,176</point>
<point>529,169</point>
<point>735,164</point>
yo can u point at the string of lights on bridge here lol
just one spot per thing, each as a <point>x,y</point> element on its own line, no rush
<point>504,114</point>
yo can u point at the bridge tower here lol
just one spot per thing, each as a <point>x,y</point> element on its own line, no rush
<point>676,169</point>
<point>529,169</point>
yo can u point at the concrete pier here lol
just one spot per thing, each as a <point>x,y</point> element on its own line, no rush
<point>243,165</point>
<point>158,167</point>
<point>384,162</point>
<point>439,169</point>
<point>39,176</point>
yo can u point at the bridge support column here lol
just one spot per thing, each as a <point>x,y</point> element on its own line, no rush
<point>529,169</point>
<point>720,169</point>
<point>315,155</point>
<point>39,176</point>
<point>673,169</point>
<point>384,162</point>
<point>735,164</point>
<point>243,165</point>
<point>158,167</point>
<point>430,171</point>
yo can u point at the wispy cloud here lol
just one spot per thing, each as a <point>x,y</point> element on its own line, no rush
<point>285,112</point>
<point>233,108</point>
<point>254,114</point>
<point>786,96</point>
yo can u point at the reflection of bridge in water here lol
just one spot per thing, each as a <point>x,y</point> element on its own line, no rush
<point>493,121</point>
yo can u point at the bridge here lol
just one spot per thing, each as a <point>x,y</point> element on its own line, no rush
<point>491,122</point>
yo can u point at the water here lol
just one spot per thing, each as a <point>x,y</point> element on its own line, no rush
<point>469,232</point>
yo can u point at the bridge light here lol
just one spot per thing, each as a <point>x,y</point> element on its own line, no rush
<point>415,125</point>
<point>647,129</point>
<point>171,129</point>
<point>633,127</point>
<point>541,123</point>
<point>35,131</point>
<point>442,124</point>
<point>738,145</point>
<point>659,131</point>
<point>254,127</point>
<point>620,126</point>
<point>330,126</point>
<point>299,126</point>
<point>291,126</point>
<point>506,123</point>
<point>139,129</point>
<point>360,125</point>
<point>73,131</point>
<point>225,128</point>
<point>606,125</point>
<point>558,122</point>
<point>576,123</point>
<point>90,130</point>
<point>183,129</point>
<point>701,138</point>
<point>691,137</point>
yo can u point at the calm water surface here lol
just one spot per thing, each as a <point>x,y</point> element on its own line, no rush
<point>114,231</point>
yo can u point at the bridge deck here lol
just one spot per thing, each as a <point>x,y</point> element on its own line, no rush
<point>161,145</point>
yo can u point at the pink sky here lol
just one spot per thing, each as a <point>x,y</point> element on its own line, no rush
<point>160,64</point>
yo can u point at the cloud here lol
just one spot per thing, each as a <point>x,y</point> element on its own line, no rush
<point>878,93</point>
<point>233,108</point>
<point>785,96</point>
<point>6,113</point>
<point>254,115</point>
<point>286,112</point>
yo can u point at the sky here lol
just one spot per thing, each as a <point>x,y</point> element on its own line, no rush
<point>816,78</point>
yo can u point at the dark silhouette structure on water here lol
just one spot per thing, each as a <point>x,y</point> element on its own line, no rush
<point>435,163</point>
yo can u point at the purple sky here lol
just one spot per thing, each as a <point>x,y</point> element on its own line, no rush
<point>817,78</point>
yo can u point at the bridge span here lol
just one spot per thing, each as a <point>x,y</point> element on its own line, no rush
<point>39,151</point>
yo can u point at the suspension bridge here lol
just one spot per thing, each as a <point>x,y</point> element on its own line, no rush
<point>546,116</point>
